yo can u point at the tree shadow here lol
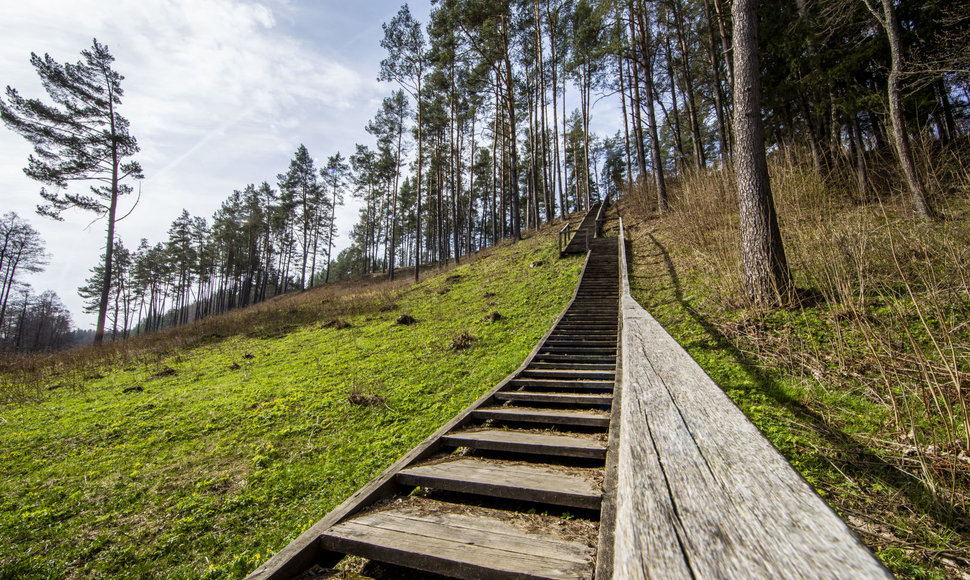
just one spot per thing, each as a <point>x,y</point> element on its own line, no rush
<point>853,459</point>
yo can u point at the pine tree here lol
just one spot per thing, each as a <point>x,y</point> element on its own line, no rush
<point>405,64</point>
<point>335,176</point>
<point>82,137</point>
<point>767,279</point>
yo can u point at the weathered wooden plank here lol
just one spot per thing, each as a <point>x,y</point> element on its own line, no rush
<point>563,398</point>
<point>554,384</point>
<point>531,415</point>
<point>460,546</point>
<point>575,358</point>
<point>700,491</point>
<point>572,365</point>
<point>505,480</point>
<point>525,442</point>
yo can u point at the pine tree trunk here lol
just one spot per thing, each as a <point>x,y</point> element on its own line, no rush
<point>767,280</point>
<point>698,145</point>
<point>626,124</point>
<point>678,136</point>
<point>555,113</point>
<point>109,248</point>
<point>510,106</point>
<point>716,75</point>
<point>637,106</point>
<point>658,170</point>
<point>889,21</point>
<point>417,219</point>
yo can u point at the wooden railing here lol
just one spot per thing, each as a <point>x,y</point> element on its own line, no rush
<point>564,237</point>
<point>699,491</point>
<point>601,215</point>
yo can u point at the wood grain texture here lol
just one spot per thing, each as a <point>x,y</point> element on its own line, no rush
<point>524,442</point>
<point>525,414</point>
<point>460,546</point>
<point>505,480</point>
<point>700,491</point>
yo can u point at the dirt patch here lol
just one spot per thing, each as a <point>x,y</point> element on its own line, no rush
<point>165,372</point>
<point>493,316</point>
<point>336,324</point>
<point>406,319</point>
<point>462,341</point>
<point>365,397</point>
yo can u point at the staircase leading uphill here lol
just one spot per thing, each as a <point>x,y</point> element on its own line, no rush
<point>510,488</point>
<point>587,231</point>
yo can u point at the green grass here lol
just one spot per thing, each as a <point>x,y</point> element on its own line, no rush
<point>783,368</point>
<point>246,441</point>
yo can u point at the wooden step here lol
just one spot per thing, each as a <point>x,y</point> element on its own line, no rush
<point>550,358</point>
<point>583,343</point>
<point>585,331</point>
<point>505,480</point>
<point>558,398</point>
<point>545,416</point>
<point>525,442</point>
<point>579,350</point>
<point>579,366</point>
<point>582,337</point>
<point>459,546</point>
<point>575,382</point>
<point>568,374</point>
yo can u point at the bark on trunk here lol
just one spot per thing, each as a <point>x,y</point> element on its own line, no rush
<point>889,21</point>
<point>767,280</point>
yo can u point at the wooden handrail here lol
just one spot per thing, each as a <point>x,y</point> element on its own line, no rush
<point>601,215</point>
<point>564,235</point>
<point>700,492</point>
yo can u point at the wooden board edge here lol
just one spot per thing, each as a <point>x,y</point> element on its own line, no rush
<point>605,541</point>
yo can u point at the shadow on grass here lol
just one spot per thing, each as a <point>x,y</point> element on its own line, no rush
<point>853,459</point>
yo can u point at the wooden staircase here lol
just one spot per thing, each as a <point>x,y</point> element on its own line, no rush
<point>512,487</point>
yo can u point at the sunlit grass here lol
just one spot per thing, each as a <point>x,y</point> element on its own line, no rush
<point>221,452</point>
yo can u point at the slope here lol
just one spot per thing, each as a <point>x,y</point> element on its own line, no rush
<point>189,462</point>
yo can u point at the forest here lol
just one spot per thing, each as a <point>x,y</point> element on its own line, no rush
<point>487,131</point>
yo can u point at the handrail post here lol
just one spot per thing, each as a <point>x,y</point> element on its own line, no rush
<point>564,232</point>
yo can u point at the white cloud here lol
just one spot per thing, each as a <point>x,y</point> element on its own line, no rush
<point>219,94</point>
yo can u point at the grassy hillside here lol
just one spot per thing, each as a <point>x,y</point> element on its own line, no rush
<point>199,452</point>
<point>861,383</point>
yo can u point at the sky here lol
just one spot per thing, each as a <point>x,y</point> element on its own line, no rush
<point>219,94</point>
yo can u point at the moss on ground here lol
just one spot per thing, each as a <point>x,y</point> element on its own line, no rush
<point>203,462</point>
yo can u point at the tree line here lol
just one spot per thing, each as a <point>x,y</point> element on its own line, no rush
<point>27,321</point>
<point>488,132</point>
<point>262,241</point>
<point>478,142</point>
